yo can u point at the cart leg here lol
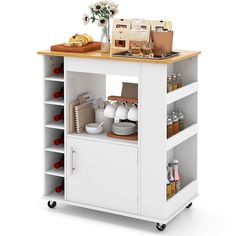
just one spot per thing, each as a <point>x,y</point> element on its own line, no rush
<point>160,227</point>
<point>52,204</point>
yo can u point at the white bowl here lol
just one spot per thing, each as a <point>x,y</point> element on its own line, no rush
<point>124,128</point>
<point>93,128</point>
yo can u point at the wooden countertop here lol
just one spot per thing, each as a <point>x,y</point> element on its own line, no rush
<point>184,54</point>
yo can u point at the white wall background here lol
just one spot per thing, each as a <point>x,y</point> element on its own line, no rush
<point>27,26</point>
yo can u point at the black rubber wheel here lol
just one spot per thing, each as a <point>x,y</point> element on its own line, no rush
<point>160,227</point>
<point>189,205</point>
<point>52,205</point>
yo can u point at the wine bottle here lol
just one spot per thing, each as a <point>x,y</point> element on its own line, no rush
<point>59,70</point>
<point>59,116</point>
<point>58,164</point>
<point>59,140</point>
<point>59,93</point>
<point>60,187</point>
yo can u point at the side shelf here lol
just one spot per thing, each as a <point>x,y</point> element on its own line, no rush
<point>181,137</point>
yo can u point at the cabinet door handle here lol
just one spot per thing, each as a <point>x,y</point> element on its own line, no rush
<point>72,161</point>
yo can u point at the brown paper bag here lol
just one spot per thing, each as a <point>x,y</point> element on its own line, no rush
<point>162,42</point>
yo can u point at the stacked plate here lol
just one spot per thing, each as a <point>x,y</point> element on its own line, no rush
<point>124,128</point>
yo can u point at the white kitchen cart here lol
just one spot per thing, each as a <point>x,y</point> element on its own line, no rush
<point>119,176</point>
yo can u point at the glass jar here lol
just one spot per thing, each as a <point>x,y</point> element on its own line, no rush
<point>175,125</point>
<point>169,127</point>
<point>169,84</point>
<point>181,120</point>
<point>179,81</point>
<point>174,82</point>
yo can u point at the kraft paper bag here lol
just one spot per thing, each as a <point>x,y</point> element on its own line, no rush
<point>162,42</point>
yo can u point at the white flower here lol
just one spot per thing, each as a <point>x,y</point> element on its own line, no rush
<point>86,19</point>
<point>112,4</point>
<point>102,21</point>
<point>103,3</point>
<point>97,6</point>
<point>91,7</point>
<point>113,11</point>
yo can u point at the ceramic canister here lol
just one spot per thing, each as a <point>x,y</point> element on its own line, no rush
<point>99,117</point>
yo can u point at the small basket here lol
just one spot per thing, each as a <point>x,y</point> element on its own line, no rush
<point>162,42</point>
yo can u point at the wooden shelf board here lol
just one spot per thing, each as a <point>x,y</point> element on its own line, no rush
<point>54,148</point>
<point>184,54</point>
<point>58,102</point>
<point>57,78</point>
<point>122,99</point>
<point>182,92</point>
<point>181,136</point>
<point>56,125</point>
<point>104,138</point>
<point>56,172</point>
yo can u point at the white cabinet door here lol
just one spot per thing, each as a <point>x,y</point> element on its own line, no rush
<point>102,175</point>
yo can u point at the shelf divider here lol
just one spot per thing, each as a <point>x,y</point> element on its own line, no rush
<point>54,172</point>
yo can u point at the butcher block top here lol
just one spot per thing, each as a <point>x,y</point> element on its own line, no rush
<point>184,54</point>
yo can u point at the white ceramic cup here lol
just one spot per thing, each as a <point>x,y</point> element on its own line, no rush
<point>133,113</point>
<point>110,110</point>
<point>122,112</point>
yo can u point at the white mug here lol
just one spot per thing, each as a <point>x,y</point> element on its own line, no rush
<point>133,113</point>
<point>110,110</point>
<point>122,112</point>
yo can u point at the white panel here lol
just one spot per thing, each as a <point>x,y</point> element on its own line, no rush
<point>102,66</point>
<point>187,69</point>
<point>152,136</point>
<point>105,175</point>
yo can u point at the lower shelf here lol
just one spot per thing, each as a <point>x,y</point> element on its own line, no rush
<point>181,198</point>
<point>55,196</point>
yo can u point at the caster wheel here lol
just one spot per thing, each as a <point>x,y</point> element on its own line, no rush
<point>189,205</point>
<point>160,227</point>
<point>52,204</point>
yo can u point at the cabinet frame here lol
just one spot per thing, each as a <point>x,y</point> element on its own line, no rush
<point>152,143</point>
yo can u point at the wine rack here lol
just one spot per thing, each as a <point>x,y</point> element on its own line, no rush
<point>54,127</point>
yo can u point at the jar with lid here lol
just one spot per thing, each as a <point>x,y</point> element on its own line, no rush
<point>169,127</point>
<point>174,81</point>
<point>175,125</point>
<point>179,81</point>
<point>169,84</point>
<point>181,120</point>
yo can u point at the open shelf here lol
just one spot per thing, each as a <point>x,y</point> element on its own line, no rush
<point>181,136</point>
<point>56,125</point>
<point>56,172</point>
<point>56,78</point>
<point>58,102</point>
<point>103,138</point>
<point>182,92</point>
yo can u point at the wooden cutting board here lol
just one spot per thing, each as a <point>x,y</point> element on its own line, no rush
<point>133,137</point>
<point>93,46</point>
